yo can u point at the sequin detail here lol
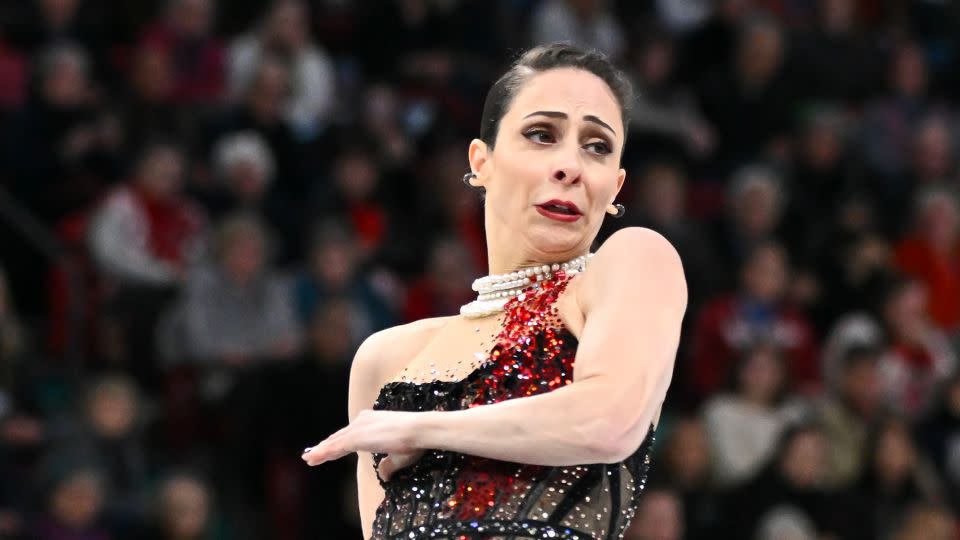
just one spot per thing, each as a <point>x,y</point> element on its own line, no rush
<point>456,496</point>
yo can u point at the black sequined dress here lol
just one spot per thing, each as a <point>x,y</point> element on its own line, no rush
<point>449,495</point>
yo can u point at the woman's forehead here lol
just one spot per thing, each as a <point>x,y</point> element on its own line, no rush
<point>576,92</point>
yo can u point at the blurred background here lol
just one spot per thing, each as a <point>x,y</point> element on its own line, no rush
<point>206,206</point>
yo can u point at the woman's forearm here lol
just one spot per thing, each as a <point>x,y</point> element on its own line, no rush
<point>571,425</point>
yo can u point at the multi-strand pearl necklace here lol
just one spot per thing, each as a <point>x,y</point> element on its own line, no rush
<point>494,291</point>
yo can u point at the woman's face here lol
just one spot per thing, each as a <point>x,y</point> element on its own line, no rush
<point>895,455</point>
<point>560,140</point>
<point>804,461</point>
<point>186,508</point>
<point>689,452</point>
<point>244,258</point>
<point>761,376</point>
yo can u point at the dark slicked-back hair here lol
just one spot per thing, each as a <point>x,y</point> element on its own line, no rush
<point>543,58</point>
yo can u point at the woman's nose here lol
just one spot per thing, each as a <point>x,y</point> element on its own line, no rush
<point>568,170</point>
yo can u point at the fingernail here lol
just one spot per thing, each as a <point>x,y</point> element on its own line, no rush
<point>307,449</point>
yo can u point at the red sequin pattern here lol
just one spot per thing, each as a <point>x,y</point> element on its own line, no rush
<point>531,356</point>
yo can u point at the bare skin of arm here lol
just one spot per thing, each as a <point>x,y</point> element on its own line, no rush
<point>633,298</point>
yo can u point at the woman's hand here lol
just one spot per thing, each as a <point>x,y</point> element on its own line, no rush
<point>394,462</point>
<point>385,432</point>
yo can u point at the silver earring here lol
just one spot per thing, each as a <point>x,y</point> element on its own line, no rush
<point>621,210</point>
<point>467,177</point>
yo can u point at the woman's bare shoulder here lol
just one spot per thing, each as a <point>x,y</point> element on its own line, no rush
<point>633,257</point>
<point>387,351</point>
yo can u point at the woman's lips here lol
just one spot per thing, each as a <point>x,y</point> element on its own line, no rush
<point>567,218</point>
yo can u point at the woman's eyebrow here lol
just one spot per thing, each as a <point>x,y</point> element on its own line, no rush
<point>558,114</point>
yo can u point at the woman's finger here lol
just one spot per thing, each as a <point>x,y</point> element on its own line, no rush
<point>396,461</point>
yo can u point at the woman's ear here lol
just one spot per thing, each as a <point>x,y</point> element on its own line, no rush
<point>621,176</point>
<point>478,155</point>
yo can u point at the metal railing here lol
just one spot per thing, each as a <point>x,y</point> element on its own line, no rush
<point>38,235</point>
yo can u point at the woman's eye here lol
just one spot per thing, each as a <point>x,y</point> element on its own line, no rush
<point>544,136</point>
<point>533,134</point>
<point>600,147</point>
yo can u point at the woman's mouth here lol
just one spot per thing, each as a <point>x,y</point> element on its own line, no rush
<point>564,211</point>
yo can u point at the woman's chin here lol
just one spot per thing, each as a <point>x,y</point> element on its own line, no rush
<point>558,241</point>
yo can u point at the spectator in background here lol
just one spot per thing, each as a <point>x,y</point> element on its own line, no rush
<point>886,132</point>
<point>855,265</point>
<point>834,60</point>
<point>262,111</point>
<point>938,435</point>
<point>144,233</point>
<point>74,501</point>
<point>850,411</point>
<point>336,269</point>
<point>184,36</point>
<point>747,105</point>
<point>729,324</point>
<point>684,464</point>
<point>588,24</point>
<point>183,511</point>
<point>926,522</point>
<point>786,523</point>
<point>244,170</point>
<point>932,255</point>
<point>794,477</point>
<point>285,34</point>
<point>244,167</point>
<point>236,310</point>
<point>659,517</point>
<point>895,477</point>
<point>712,45</point>
<point>745,424</point>
<point>143,238</point>
<point>932,160</point>
<point>52,22</point>
<point>931,165</point>
<point>148,106</point>
<point>918,357</point>
<point>355,189</point>
<point>756,202</point>
<point>110,435</point>
<point>665,120</point>
<point>381,120</point>
<point>443,287</point>
<point>48,140</point>
<point>820,180</point>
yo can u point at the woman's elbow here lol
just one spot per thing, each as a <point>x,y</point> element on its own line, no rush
<point>617,438</point>
<point>605,440</point>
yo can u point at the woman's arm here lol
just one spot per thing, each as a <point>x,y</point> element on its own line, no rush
<point>633,297</point>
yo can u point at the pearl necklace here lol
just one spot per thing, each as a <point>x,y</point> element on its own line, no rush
<point>494,291</point>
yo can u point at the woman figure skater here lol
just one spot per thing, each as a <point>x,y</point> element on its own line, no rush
<point>447,448</point>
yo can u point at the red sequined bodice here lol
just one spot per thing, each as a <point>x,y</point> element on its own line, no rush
<point>457,496</point>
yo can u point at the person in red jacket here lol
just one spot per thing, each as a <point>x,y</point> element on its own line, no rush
<point>729,323</point>
<point>932,255</point>
<point>198,59</point>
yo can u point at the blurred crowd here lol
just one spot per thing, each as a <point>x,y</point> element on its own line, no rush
<point>206,206</point>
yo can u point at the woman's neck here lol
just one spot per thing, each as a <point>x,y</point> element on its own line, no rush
<point>508,251</point>
<point>505,265</point>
